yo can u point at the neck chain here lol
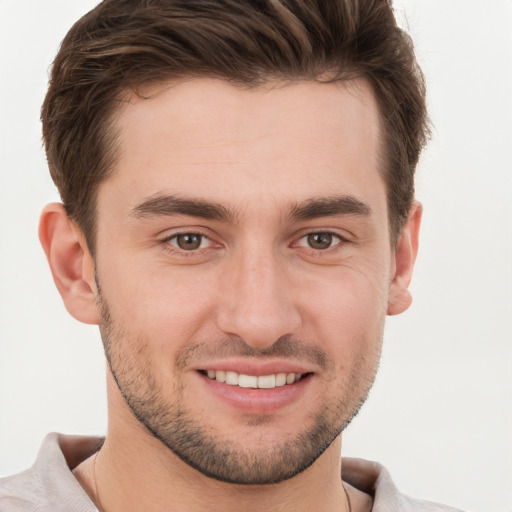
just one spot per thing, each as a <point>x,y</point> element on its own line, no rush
<point>102,509</point>
<point>348,498</point>
<point>96,492</point>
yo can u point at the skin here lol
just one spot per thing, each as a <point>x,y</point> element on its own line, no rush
<point>255,293</point>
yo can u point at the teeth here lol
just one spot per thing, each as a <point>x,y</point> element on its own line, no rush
<point>232,378</point>
<point>267,381</point>
<point>280,379</point>
<point>251,381</point>
<point>247,381</point>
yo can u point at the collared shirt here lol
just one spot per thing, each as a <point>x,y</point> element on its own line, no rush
<point>49,485</point>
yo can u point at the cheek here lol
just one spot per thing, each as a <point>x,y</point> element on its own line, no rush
<point>160,305</point>
<point>349,311</point>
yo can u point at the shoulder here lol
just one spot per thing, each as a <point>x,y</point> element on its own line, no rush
<point>373,479</point>
<point>21,492</point>
<point>416,505</point>
<point>49,485</point>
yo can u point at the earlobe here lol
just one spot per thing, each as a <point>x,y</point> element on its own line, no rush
<point>71,264</point>
<point>405,255</point>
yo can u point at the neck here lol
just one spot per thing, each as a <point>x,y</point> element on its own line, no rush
<point>134,471</point>
<point>147,476</point>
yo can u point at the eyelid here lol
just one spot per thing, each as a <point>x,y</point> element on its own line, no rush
<point>343,235</point>
<point>340,238</point>
<point>168,234</point>
<point>165,242</point>
<point>174,237</point>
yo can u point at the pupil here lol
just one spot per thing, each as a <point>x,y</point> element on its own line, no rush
<point>189,241</point>
<point>320,240</point>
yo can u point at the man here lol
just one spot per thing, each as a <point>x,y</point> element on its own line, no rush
<point>238,218</point>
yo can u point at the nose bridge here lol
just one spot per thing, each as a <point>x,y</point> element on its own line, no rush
<point>257,303</point>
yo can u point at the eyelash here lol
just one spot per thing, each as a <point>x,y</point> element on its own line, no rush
<point>168,246</point>
<point>333,247</point>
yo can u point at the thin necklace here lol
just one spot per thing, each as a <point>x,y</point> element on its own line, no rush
<point>96,492</point>
<point>101,509</point>
<point>348,498</point>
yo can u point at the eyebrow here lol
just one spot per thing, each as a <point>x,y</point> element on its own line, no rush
<point>329,207</point>
<point>168,205</point>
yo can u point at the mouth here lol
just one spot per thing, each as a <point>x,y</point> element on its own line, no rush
<point>263,387</point>
<point>241,380</point>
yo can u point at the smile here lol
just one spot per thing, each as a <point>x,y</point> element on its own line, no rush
<point>252,381</point>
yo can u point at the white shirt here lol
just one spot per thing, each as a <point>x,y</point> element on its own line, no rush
<point>49,485</point>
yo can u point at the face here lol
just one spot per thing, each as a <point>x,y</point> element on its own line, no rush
<point>243,265</point>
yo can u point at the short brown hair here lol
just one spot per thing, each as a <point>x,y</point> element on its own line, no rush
<point>124,44</point>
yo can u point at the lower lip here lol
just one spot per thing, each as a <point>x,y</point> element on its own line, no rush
<point>257,401</point>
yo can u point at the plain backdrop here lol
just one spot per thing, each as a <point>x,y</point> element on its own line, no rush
<point>440,414</point>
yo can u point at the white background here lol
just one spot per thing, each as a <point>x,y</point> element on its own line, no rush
<point>440,415</point>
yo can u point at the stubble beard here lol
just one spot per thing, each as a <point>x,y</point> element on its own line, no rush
<point>169,420</point>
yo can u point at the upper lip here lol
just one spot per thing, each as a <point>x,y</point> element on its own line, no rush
<point>258,368</point>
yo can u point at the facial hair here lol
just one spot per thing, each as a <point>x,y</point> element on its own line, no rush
<point>166,417</point>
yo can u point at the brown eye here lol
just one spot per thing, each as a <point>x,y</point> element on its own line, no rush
<point>188,241</point>
<point>321,240</point>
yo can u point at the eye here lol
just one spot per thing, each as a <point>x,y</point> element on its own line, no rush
<point>319,241</point>
<point>189,241</point>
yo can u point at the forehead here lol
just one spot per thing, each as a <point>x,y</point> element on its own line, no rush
<point>274,143</point>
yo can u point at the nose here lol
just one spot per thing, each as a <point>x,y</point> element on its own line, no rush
<point>257,301</point>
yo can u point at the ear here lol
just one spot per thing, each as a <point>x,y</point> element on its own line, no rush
<point>71,264</point>
<point>403,262</point>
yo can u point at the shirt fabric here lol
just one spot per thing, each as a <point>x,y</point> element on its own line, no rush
<point>49,485</point>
